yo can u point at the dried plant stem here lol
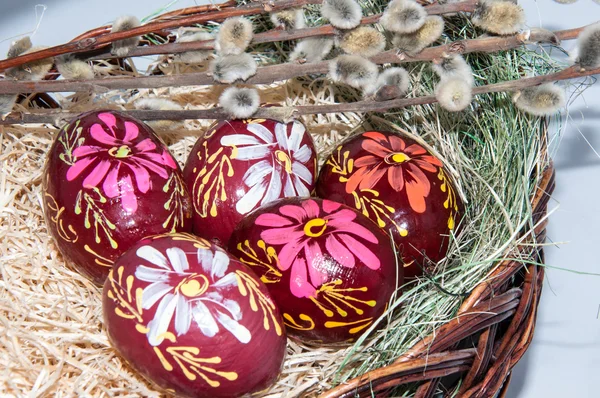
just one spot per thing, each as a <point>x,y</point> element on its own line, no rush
<point>93,43</point>
<point>273,73</point>
<point>275,112</point>
<point>277,35</point>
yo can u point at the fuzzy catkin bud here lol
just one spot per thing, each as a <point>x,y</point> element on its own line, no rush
<point>543,100</point>
<point>121,48</point>
<point>234,36</point>
<point>230,68</point>
<point>588,47</point>
<point>364,41</point>
<point>498,17</point>
<point>353,70</point>
<point>342,14</point>
<point>454,94</point>
<point>403,16</point>
<point>426,35</point>
<point>240,103</point>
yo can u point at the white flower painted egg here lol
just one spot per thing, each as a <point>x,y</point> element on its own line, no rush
<point>192,319</point>
<point>240,165</point>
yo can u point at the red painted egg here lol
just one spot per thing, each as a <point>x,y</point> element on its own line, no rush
<point>330,270</point>
<point>399,185</point>
<point>240,165</point>
<point>109,181</point>
<point>192,319</point>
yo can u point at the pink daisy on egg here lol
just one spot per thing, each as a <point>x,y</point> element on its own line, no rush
<point>302,229</point>
<point>117,161</point>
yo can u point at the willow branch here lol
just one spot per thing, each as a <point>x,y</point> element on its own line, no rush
<point>93,43</point>
<point>573,72</point>
<point>277,35</point>
<point>273,73</point>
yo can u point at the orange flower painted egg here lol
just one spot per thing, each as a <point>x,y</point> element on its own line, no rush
<point>240,165</point>
<point>330,270</point>
<point>193,319</point>
<point>109,181</point>
<point>399,185</point>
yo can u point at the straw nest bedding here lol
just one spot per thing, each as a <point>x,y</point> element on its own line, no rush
<point>52,340</point>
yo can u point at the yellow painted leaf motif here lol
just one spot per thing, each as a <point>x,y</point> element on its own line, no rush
<point>99,260</point>
<point>451,203</point>
<point>54,215</point>
<point>269,268</point>
<point>69,140</point>
<point>129,303</point>
<point>198,242</point>
<point>341,164</point>
<point>367,201</point>
<point>209,185</point>
<point>357,325</point>
<point>332,300</point>
<point>174,204</point>
<point>292,323</point>
<point>87,202</point>
<point>248,287</point>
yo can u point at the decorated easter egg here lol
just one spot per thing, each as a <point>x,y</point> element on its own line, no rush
<point>330,269</point>
<point>240,165</point>
<point>109,181</point>
<point>192,319</point>
<point>402,187</point>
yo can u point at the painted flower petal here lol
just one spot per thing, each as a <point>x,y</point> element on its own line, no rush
<point>354,228</point>
<point>178,259</point>
<point>280,236</point>
<point>99,134</point>
<point>86,150</point>
<point>302,189</point>
<point>250,200</point>
<point>331,206</point>
<point>149,274</point>
<point>226,281</point>
<point>297,136</point>
<point>145,146</point>
<point>372,178</point>
<point>376,148</point>
<point>281,135</point>
<point>303,154</point>
<point>205,258</point>
<point>111,182</point>
<point>261,131</point>
<point>419,177</point>
<point>368,160</point>
<point>426,163</point>
<point>183,316</point>
<point>131,131</point>
<point>238,330</point>
<point>293,211</point>
<point>416,198</point>
<point>108,118</point>
<point>158,326</point>
<point>257,172</point>
<point>150,166</point>
<point>339,252</point>
<point>168,160</point>
<point>414,150</point>
<point>361,251</point>
<point>234,308</point>
<point>97,174</point>
<point>396,178</point>
<point>78,167</point>
<point>311,208</point>
<point>154,292</point>
<point>128,196</point>
<point>142,177</point>
<point>239,139</point>
<point>316,263</point>
<point>357,178</point>
<point>272,220</point>
<point>397,144</point>
<point>273,191</point>
<point>253,152</point>
<point>375,135</point>
<point>219,265</point>
<point>153,256</point>
<point>204,319</point>
<point>289,253</point>
<point>301,171</point>
<point>299,285</point>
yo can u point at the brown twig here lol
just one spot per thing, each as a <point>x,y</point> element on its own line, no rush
<point>272,112</point>
<point>268,74</point>
<point>93,43</point>
<point>277,35</point>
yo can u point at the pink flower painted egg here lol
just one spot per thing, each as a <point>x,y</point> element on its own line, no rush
<point>402,187</point>
<point>240,165</point>
<point>330,269</point>
<point>192,319</point>
<point>109,181</point>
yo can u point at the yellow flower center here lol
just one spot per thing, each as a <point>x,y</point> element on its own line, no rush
<point>315,227</point>
<point>193,286</point>
<point>284,160</point>
<point>121,152</point>
<point>397,158</point>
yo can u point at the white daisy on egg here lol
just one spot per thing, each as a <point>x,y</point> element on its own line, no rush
<point>187,295</point>
<point>282,168</point>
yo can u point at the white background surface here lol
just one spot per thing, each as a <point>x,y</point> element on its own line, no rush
<point>564,358</point>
